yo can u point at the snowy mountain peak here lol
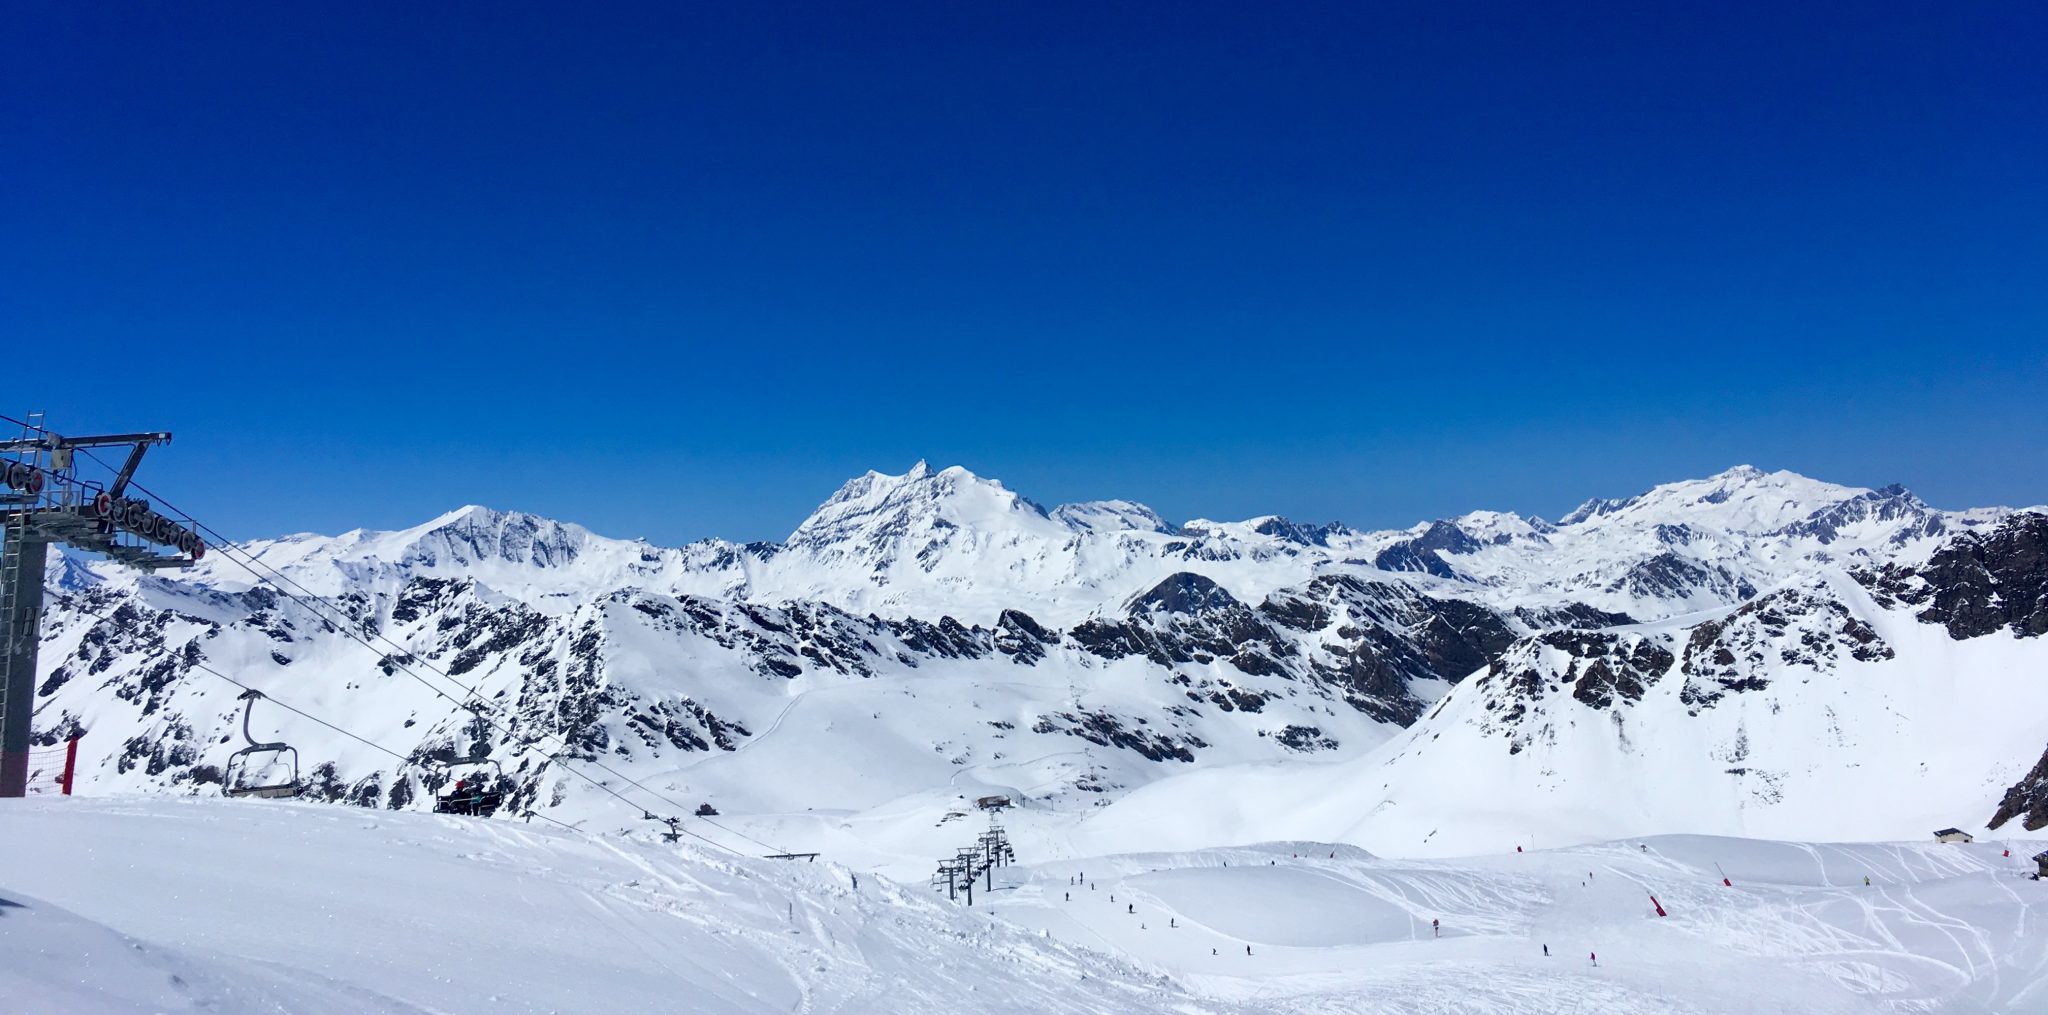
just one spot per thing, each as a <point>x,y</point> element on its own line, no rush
<point>1593,508</point>
<point>467,514</point>
<point>1742,499</point>
<point>474,533</point>
<point>1181,593</point>
<point>875,507</point>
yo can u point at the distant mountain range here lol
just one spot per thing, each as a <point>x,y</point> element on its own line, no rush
<point>1749,653</point>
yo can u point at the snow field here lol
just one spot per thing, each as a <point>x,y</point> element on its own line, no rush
<point>1942,928</point>
<point>165,904</point>
<point>157,904</point>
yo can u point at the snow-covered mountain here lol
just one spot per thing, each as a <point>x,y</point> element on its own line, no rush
<point>1718,655</point>
<point>1859,703</point>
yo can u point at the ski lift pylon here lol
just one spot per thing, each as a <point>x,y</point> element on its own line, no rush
<point>279,752</point>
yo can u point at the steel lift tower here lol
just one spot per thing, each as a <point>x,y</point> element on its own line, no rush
<point>42,501</point>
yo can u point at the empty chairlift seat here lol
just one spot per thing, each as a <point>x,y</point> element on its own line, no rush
<point>260,769</point>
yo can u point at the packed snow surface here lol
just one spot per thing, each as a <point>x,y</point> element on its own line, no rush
<point>147,904</point>
<point>152,904</point>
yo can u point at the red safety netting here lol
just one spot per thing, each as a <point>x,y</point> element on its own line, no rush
<point>46,769</point>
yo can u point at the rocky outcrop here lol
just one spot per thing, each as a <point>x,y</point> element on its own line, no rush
<point>1983,583</point>
<point>1426,552</point>
<point>2027,800</point>
<point>1791,627</point>
<point>1671,576</point>
<point>1894,506</point>
<point>1598,670</point>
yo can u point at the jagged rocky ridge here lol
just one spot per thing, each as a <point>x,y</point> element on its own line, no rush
<point>1160,645</point>
<point>1976,585</point>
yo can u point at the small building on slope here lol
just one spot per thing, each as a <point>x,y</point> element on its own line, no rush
<point>1953,835</point>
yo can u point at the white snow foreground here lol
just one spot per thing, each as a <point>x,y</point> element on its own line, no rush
<point>156,904</point>
<point>161,905</point>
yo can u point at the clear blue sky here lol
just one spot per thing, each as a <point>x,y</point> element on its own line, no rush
<point>679,270</point>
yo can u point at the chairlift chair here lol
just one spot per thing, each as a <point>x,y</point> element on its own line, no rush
<point>478,797</point>
<point>235,783</point>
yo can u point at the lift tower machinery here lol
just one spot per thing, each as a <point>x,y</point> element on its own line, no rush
<point>43,501</point>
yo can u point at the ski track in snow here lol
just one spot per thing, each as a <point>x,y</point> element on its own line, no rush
<point>268,906</point>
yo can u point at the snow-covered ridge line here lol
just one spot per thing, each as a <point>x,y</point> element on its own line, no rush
<point>935,635</point>
<point>930,543</point>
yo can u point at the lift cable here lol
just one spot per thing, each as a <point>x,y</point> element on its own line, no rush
<point>277,579</point>
<point>365,741</point>
<point>302,713</point>
<point>472,694</point>
<point>310,600</point>
<point>250,564</point>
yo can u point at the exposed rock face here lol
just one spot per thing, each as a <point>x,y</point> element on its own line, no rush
<point>1183,593</point>
<point>1668,575</point>
<point>1425,552</point>
<point>1106,730</point>
<point>1300,534</point>
<point>1373,638</point>
<point>1793,627</point>
<point>1537,676</point>
<point>1367,640</point>
<point>477,534</point>
<point>1891,504</point>
<point>1574,615</point>
<point>1982,583</point>
<point>1599,670</point>
<point>2026,800</point>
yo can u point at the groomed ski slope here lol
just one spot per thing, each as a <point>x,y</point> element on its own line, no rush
<point>1335,929</point>
<point>153,904</point>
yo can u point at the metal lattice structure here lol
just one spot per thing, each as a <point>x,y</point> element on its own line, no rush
<point>42,501</point>
<point>990,850</point>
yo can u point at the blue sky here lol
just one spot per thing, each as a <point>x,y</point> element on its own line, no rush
<point>678,270</point>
